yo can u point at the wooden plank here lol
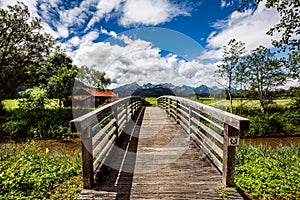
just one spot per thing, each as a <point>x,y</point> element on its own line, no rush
<point>208,120</point>
<point>215,135</point>
<point>186,114</point>
<point>103,131</point>
<point>104,152</point>
<point>207,152</point>
<point>122,114</point>
<point>96,126</point>
<point>211,144</point>
<point>103,142</point>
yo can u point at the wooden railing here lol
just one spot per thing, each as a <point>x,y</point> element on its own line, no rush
<point>213,130</point>
<point>98,132</point>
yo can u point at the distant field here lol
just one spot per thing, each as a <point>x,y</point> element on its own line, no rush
<point>248,103</point>
<point>151,100</point>
<point>13,103</point>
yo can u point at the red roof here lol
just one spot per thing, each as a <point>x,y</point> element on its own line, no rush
<point>100,93</point>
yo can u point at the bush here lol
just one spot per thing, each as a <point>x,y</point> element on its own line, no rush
<point>51,124</point>
<point>268,173</point>
<point>15,128</point>
<point>30,174</point>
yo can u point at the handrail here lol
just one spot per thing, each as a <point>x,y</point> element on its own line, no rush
<point>212,129</point>
<point>99,130</point>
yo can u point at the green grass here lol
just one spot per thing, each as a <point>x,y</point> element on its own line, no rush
<point>14,103</point>
<point>267,173</point>
<point>10,103</point>
<point>29,173</point>
<point>206,101</point>
<point>251,104</point>
<point>151,100</point>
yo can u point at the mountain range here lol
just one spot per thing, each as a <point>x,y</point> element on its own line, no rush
<point>155,90</point>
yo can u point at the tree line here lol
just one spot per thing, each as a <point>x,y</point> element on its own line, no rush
<point>263,70</point>
<point>32,62</point>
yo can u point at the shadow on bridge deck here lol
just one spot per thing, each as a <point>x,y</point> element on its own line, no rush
<point>154,159</point>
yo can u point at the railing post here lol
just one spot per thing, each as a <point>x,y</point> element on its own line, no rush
<point>126,107</point>
<point>228,157</point>
<point>190,123</point>
<point>168,105</point>
<point>87,158</point>
<point>115,114</point>
<point>177,112</point>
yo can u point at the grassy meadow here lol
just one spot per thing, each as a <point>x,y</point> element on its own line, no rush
<point>14,103</point>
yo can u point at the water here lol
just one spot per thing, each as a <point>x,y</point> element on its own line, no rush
<point>53,146</point>
<point>273,142</point>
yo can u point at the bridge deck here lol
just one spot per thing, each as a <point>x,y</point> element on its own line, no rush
<point>154,159</point>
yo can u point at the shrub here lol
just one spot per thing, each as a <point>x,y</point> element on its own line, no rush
<point>268,173</point>
<point>15,128</point>
<point>30,174</point>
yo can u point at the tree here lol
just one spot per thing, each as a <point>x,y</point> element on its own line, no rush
<point>34,98</point>
<point>288,27</point>
<point>293,64</point>
<point>289,24</point>
<point>61,75</point>
<point>231,60</point>
<point>93,78</point>
<point>22,43</point>
<point>265,72</point>
<point>241,80</point>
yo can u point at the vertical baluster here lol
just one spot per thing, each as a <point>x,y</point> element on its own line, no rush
<point>87,158</point>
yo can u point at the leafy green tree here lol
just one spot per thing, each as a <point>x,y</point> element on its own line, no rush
<point>241,81</point>
<point>288,27</point>
<point>289,24</point>
<point>231,60</point>
<point>22,43</point>
<point>293,65</point>
<point>61,74</point>
<point>93,78</point>
<point>265,72</point>
<point>34,100</point>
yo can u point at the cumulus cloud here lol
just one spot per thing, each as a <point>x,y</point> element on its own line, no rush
<point>248,26</point>
<point>149,12</point>
<point>139,61</point>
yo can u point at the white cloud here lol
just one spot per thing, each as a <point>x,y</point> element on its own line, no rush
<point>149,12</point>
<point>138,61</point>
<point>104,8</point>
<point>109,33</point>
<point>225,4</point>
<point>249,27</point>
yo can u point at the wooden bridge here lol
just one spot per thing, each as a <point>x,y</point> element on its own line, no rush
<point>179,149</point>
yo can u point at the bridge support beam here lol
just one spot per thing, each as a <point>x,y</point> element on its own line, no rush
<point>228,157</point>
<point>87,159</point>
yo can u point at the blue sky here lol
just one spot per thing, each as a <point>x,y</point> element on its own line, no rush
<point>157,41</point>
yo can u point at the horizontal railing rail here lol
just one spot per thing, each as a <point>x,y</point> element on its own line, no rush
<point>213,130</point>
<point>99,130</point>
